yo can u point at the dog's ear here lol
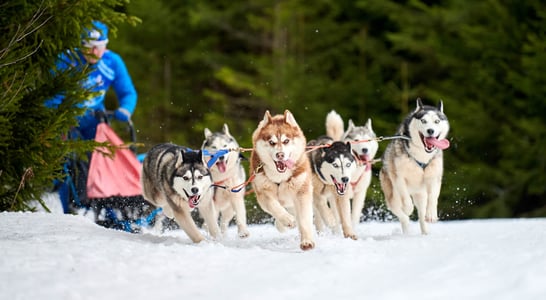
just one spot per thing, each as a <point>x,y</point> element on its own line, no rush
<point>419,105</point>
<point>349,146</point>
<point>179,159</point>
<point>225,129</point>
<point>208,133</point>
<point>350,125</point>
<point>369,124</point>
<point>441,106</point>
<point>289,118</point>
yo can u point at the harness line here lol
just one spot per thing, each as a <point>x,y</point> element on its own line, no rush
<point>240,187</point>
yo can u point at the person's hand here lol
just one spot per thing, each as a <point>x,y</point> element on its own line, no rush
<point>122,114</point>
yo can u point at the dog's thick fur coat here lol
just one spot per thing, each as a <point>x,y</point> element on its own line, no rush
<point>283,174</point>
<point>333,165</point>
<point>413,167</point>
<point>364,147</point>
<point>178,181</point>
<point>227,172</point>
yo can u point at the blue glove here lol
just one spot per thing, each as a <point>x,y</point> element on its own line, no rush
<point>122,114</point>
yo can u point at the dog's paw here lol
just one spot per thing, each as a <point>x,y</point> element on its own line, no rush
<point>307,245</point>
<point>287,222</point>
<point>431,218</point>
<point>350,236</point>
<point>243,234</point>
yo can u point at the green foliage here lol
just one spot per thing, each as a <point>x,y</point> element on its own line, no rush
<point>200,64</point>
<point>32,148</point>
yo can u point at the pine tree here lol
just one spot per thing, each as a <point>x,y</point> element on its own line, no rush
<point>32,147</point>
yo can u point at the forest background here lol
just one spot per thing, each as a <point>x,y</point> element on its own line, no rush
<point>200,64</point>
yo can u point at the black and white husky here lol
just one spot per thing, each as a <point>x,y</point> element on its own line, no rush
<point>413,167</point>
<point>364,147</point>
<point>333,165</point>
<point>178,180</point>
<point>226,172</point>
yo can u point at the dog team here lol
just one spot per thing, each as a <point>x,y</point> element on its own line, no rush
<point>308,185</point>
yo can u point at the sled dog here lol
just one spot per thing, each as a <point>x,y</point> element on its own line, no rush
<point>332,168</point>
<point>413,167</point>
<point>364,148</point>
<point>177,180</point>
<point>282,173</point>
<point>227,172</point>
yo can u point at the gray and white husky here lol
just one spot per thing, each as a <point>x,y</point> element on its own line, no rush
<point>178,180</point>
<point>364,147</point>
<point>332,168</point>
<point>227,172</point>
<point>413,167</point>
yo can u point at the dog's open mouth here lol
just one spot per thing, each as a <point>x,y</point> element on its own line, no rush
<point>341,187</point>
<point>363,159</point>
<point>283,165</point>
<point>193,200</point>
<point>431,143</point>
<point>221,165</point>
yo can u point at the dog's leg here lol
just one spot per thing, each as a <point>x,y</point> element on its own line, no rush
<point>317,218</point>
<point>272,206</point>
<point>433,188</point>
<point>238,204</point>
<point>226,215</point>
<point>183,218</point>
<point>344,208</point>
<point>420,200</point>
<point>303,204</point>
<point>209,214</point>
<point>324,212</point>
<point>359,197</point>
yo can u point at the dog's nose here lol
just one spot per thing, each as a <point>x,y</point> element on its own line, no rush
<point>194,190</point>
<point>430,131</point>
<point>364,150</point>
<point>280,155</point>
<point>345,179</point>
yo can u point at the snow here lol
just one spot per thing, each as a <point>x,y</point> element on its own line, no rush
<point>55,256</point>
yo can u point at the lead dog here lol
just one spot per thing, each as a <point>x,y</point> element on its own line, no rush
<point>283,174</point>
<point>178,181</point>
<point>227,172</point>
<point>413,167</point>
<point>364,147</point>
<point>333,165</point>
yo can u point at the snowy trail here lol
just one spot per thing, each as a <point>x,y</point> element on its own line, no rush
<point>51,256</point>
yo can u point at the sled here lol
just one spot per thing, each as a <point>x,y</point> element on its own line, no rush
<point>107,184</point>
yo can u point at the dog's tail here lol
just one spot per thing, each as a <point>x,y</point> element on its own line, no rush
<point>334,126</point>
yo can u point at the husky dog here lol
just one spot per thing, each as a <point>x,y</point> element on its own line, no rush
<point>332,167</point>
<point>364,147</point>
<point>283,174</point>
<point>413,167</point>
<point>177,180</point>
<point>227,171</point>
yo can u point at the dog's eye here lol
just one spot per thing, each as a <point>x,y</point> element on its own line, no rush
<point>348,165</point>
<point>272,143</point>
<point>335,165</point>
<point>199,177</point>
<point>286,141</point>
<point>436,121</point>
<point>423,121</point>
<point>186,178</point>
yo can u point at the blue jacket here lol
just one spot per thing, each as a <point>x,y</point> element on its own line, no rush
<point>109,71</point>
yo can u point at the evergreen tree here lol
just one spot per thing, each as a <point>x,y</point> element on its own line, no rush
<point>32,148</point>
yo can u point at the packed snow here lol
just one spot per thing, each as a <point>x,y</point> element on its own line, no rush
<point>56,256</point>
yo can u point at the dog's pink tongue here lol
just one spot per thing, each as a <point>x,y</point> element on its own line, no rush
<point>221,166</point>
<point>441,144</point>
<point>193,201</point>
<point>289,163</point>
